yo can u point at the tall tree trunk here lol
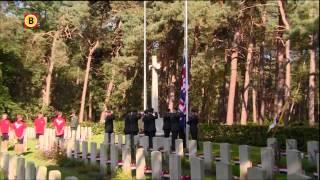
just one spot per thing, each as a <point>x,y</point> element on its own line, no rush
<point>244,109</point>
<point>90,106</point>
<point>261,100</point>
<point>254,92</point>
<point>233,79</point>
<point>47,92</point>
<point>86,78</point>
<point>312,81</point>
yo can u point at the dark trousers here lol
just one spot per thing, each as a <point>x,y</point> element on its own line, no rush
<point>174,136</point>
<point>150,135</point>
<point>182,135</point>
<point>194,134</point>
<point>109,137</point>
<point>166,132</point>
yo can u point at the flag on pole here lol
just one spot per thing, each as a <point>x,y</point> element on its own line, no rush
<point>183,93</point>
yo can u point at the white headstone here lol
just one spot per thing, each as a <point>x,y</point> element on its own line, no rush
<point>112,137</point>
<point>223,171</point>
<point>192,148</point>
<point>207,153</point>
<point>144,142</point>
<point>294,165</point>
<point>167,145</point>
<point>126,152</point>
<point>174,166</point>
<point>31,170</point>
<point>179,147</point>
<point>255,173</point>
<point>85,151</point>
<point>267,161</point>
<point>225,153</point>
<point>12,170</point>
<point>245,161</point>
<point>156,164</point>
<point>103,157</point>
<point>41,173</point>
<point>196,167</point>
<point>313,149</point>
<point>114,157</point>
<point>77,149</point>
<point>21,172</point>
<point>106,138</point>
<point>140,163</point>
<point>93,153</point>
<point>54,175</point>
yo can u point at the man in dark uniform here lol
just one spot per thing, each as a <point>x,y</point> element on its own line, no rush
<point>108,124</point>
<point>150,124</point>
<point>193,122</point>
<point>166,124</point>
<point>174,119</point>
<point>182,127</point>
<point>131,127</point>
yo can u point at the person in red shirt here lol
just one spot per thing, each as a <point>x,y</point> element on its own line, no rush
<point>19,127</point>
<point>59,123</point>
<point>4,130</point>
<point>4,127</point>
<point>40,125</point>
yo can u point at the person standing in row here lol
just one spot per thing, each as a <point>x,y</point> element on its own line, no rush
<point>40,125</point>
<point>166,124</point>
<point>175,127</point>
<point>149,125</point>
<point>193,123</point>
<point>4,129</point>
<point>108,124</point>
<point>131,127</point>
<point>74,122</point>
<point>59,125</point>
<point>19,127</point>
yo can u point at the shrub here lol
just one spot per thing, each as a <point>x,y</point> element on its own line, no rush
<point>98,128</point>
<point>257,135</point>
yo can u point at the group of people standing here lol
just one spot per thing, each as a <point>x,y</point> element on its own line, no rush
<point>19,128</point>
<point>173,122</point>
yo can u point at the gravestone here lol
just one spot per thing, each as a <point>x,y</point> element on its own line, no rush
<point>85,151</point>
<point>78,133</point>
<point>294,165</point>
<point>136,140</point>
<point>156,143</point>
<point>103,158</point>
<point>41,142</point>
<point>291,144</point>
<point>21,168</point>
<point>41,173</point>
<point>76,149</point>
<point>255,173</point>
<point>225,153</point>
<point>106,138</point>
<point>167,145</point>
<point>126,152</point>
<point>175,166</point>
<point>114,157</point>
<point>273,143</point>
<point>127,140</point>
<point>12,170</point>
<point>245,161</point>
<point>93,153</point>
<point>120,140</point>
<point>156,164</point>
<point>144,142</point>
<point>196,167</point>
<point>54,175</point>
<point>179,147</point>
<point>192,148</point>
<point>69,148</point>
<point>31,171</point>
<point>112,138</point>
<point>267,161</point>
<point>140,164</point>
<point>223,171</point>
<point>313,149</point>
<point>207,153</point>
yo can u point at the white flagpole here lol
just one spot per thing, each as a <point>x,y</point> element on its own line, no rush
<point>187,68</point>
<point>144,55</point>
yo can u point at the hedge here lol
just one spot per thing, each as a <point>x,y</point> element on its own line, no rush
<point>257,135</point>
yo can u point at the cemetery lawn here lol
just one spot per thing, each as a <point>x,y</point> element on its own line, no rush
<point>92,172</point>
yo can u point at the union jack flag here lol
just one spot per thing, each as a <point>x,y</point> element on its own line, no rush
<point>183,92</point>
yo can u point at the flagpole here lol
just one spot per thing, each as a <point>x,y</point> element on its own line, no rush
<point>144,55</point>
<point>187,66</point>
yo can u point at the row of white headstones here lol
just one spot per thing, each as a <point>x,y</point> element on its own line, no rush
<point>198,163</point>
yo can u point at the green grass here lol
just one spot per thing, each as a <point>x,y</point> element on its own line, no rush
<point>83,171</point>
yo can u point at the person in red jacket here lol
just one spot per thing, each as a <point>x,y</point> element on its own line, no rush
<point>19,127</point>
<point>59,123</point>
<point>39,125</point>
<point>4,129</point>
